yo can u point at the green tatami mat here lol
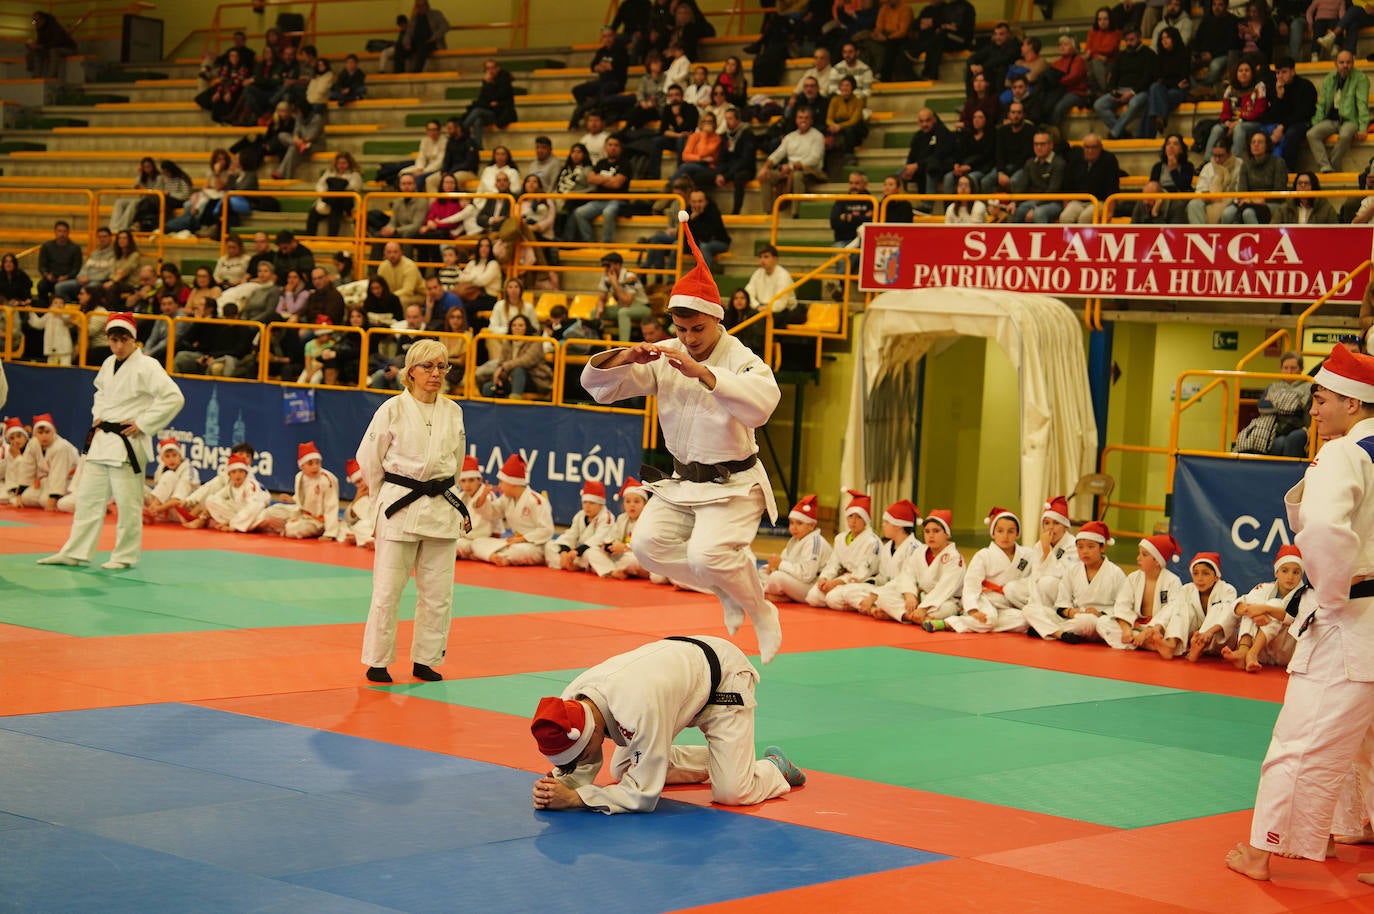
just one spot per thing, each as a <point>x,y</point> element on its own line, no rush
<point>13,523</point>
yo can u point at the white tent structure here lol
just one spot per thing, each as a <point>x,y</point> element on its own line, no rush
<point>1043,339</point>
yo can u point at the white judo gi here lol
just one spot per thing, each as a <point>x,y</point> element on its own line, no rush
<point>1076,591</point>
<point>239,507</point>
<point>315,512</point>
<point>407,439</point>
<point>55,468</point>
<point>936,581</point>
<point>531,517</point>
<point>854,559</point>
<point>891,559</point>
<point>1220,612</point>
<point>798,567</point>
<point>169,484</point>
<point>485,514</point>
<point>1167,610</point>
<point>137,390</point>
<point>603,563</point>
<point>584,535</point>
<point>987,583</point>
<point>1328,710</point>
<point>1279,642</point>
<point>699,533</point>
<point>1047,570</point>
<point>358,521</point>
<point>18,472</point>
<point>650,695</point>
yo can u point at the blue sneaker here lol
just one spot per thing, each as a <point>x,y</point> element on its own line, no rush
<point>790,772</point>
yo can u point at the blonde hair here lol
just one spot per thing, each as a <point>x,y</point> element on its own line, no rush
<point>422,351</point>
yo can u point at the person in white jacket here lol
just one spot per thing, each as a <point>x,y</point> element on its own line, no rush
<point>522,511</point>
<point>1171,629</point>
<point>56,324</point>
<point>360,517</point>
<point>133,398</point>
<point>1152,592</point>
<point>194,514</point>
<point>18,467</point>
<point>1264,615</point>
<point>587,532</point>
<point>237,505</point>
<point>615,558</point>
<point>986,605</point>
<point>314,510</point>
<point>855,555</point>
<point>55,460</point>
<point>793,573</point>
<point>1088,591</point>
<point>898,522</point>
<point>174,480</point>
<point>932,581</point>
<point>1051,555</point>
<point>483,504</point>
<point>642,700</point>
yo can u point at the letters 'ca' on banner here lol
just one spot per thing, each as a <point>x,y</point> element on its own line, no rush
<point>1278,263</point>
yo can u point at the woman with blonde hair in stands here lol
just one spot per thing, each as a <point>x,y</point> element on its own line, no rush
<point>512,303</point>
<point>410,457</point>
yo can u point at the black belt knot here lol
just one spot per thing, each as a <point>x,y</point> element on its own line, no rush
<point>699,472</point>
<point>114,428</point>
<point>715,696</point>
<point>1361,590</point>
<point>425,488</point>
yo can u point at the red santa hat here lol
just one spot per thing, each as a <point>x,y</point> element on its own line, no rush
<point>997,514</point>
<point>238,462</point>
<point>1163,548</point>
<point>1207,558</point>
<point>594,491</point>
<point>471,468</point>
<point>169,444</point>
<point>902,513</point>
<point>514,471</point>
<point>696,290</point>
<point>43,419</point>
<point>353,470</point>
<point>1286,555</point>
<point>562,728</point>
<point>1348,374</point>
<point>805,510</point>
<point>325,325</point>
<point>1094,531</point>
<point>15,424</point>
<point>632,486</point>
<point>1057,509</point>
<point>307,451</point>
<point>944,517</point>
<point>121,321</point>
<point>859,504</point>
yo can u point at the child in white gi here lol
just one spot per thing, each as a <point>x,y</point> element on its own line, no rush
<point>1051,555</point>
<point>483,504</point>
<point>1149,605</point>
<point>524,513</point>
<point>56,324</point>
<point>986,604</point>
<point>20,469</point>
<point>1264,616</point>
<point>194,514</point>
<point>237,505</point>
<point>615,559</point>
<point>898,522</point>
<point>930,583</point>
<point>55,461</point>
<point>174,480</point>
<point>855,555</point>
<point>316,511</point>
<point>361,516</point>
<point>588,531</point>
<point>1087,593</point>
<point>794,572</point>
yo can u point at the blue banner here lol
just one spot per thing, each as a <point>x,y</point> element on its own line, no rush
<point>563,446</point>
<point>1235,508</point>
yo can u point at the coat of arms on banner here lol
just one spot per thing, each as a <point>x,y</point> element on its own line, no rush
<point>299,406</point>
<point>887,258</point>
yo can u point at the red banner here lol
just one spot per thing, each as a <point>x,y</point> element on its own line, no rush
<point>1265,263</point>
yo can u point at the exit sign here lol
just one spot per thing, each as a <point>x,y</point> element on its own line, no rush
<point>1225,339</point>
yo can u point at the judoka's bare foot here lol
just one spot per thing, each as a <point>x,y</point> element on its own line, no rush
<point>1167,647</point>
<point>1330,851</point>
<point>1196,645</point>
<point>619,575</point>
<point>1238,657</point>
<point>194,523</point>
<point>1252,662</point>
<point>1248,861</point>
<point>500,560</point>
<point>867,603</point>
<point>1366,836</point>
<point>1366,878</point>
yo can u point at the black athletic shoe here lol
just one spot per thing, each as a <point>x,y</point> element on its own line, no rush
<point>378,674</point>
<point>420,671</point>
<point>1071,638</point>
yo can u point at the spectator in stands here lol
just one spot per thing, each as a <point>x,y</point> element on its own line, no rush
<point>632,22</point>
<point>676,123</point>
<point>980,98</point>
<point>1257,32</point>
<point>737,311</point>
<point>449,216</point>
<point>351,83</point>
<point>306,135</point>
<point>1219,176</point>
<point>494,211</point>
<point>1100,49</point>
<point>171,282</point>
<point>572,179</point>
<point>97,269</point>
<point>1215,44</point>
<point>931,153</point>
<point>1045,172</point>
<point>1242,109</point>
<point>459,158</point>
<point>202,288</point>
<point>382,307</point>
<point>292,255</point>
<point>689,27</point>
<point>479,282</point>
<point>262,250</point>
<point>1342,111</point>
<point>537,217</point>
<point>494,104</point>
<point>156,345</point>
<point>51,44</point>
<point>1013,144</point>
<point>123,215</point>
<point>1032,101</point>
<point>261,87</point>
<point>1073,80</point>
<point>610,65</point>
<point>423,35</point>
<point>1290,112</point>
<point>1172,174</point>
<point>515,365</point>
<point>58,260</point>
<point>201,204</point>
<point>1173,79</point>
<point>1128,85</point>
<point>232,266</point>
<point>820,71</point>
<point>257,299</point>
<point>293,74</point>
<point>438,302</point>
<point>708,228</point>
<point>700,155</point>
<point>643,106</point>
<point>768,288</point>
<point>223,99</point>
<point>993,59</point>
<point>428,160</point>
<point>679,66</point>
<point>1174,17</point>
<point>16,288</point>
<point>1128,14</point>
<point>142,299</point>
<point>1092,170</point>
<point>620,297</point>
<point>810,97</point>
<point>512,303</point>
<point>127,260</point>
<point>852,19</point>
<point>851,65</point>
<point>608,176</point>
<point>1030,64</point>
<point>1259,173</point>
<point>898,211</point>
<point>844,122</point>
<point>963,210</point>
<point>1323,17</point>
<point>1306,210</point>
<point>720,100</point>
<point>340,178</point>
<point>736,86</point>
<point>795,164</point>
<point>698,91</point>
<point>655,329</point>
<point>975,154</point>
<point>737,157</point>
<point>241,177</point>
<point>595,137</point>
<point>294,294</point>
<point>544,165</point>
<point>324,304</point>
<point>894,29</point>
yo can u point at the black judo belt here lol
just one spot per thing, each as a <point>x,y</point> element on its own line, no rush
<point>1362,590</point>
<point>429,488</point>
<point>699,472</point>
<point>114,428</point>
<point>716,696</point>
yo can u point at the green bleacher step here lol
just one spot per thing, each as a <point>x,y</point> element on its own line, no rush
<point>79,99</point>
<point>950,105</point>
<point>47,123</point>
<point>527,64</point>
<point>419,120</point>
<point>296,204</point>
<point>20,146</point>
<point>126,76</point>
<point>468,93</point>
<point>898,139</point>
<point>402,148</point>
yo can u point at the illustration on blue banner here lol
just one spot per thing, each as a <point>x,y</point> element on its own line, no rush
<point>298,405</point>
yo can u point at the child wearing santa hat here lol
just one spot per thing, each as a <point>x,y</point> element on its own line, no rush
<point>793,573</point>
<point>898,523</point>
<point>615,559</point>
<point>1261,618</point>
<point>1087,593</point>
<point>19,470</point>
<point>55,460</point>
<point>1151,593</point>
<point>855,556</point>
<point>1170,632</point>
<point>1051,555</point>
<point>360,516</point>
<point>237,505</point>
<point>524,513</point>
<point>193,511</point>
<point>174,480</point>
<point>931,583</point>
<point>989,602</point>
<point>588,531</point>
<point>316,509</point>
<point>483,504</point>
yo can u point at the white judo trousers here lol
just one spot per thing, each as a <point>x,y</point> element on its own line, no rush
<point>99,483</point>
<point>432,561</point>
